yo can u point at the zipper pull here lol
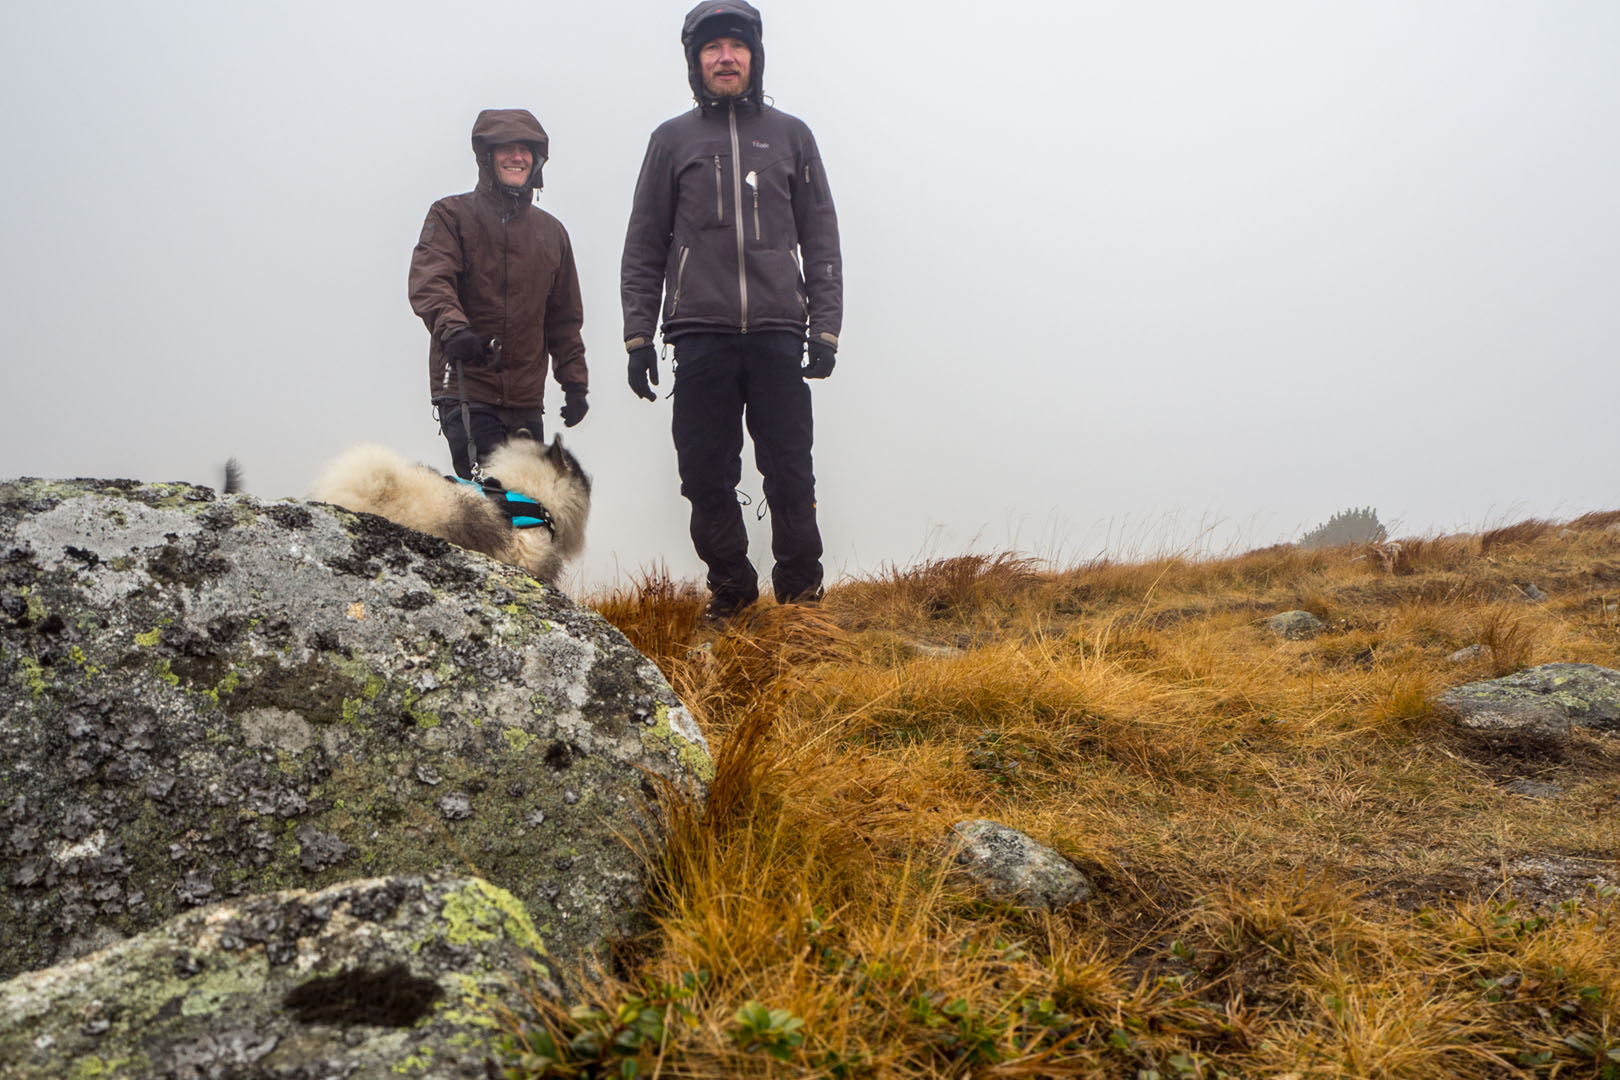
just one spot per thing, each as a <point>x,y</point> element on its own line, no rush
<point>752,180</point>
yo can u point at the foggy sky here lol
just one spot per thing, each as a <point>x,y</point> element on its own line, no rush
<point>1119,278</point>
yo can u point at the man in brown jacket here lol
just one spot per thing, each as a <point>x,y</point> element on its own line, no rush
<point>731,201</point>
<point>493,279</point>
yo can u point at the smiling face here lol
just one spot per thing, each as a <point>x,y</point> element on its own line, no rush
<point>724,64</point>
<point>513,161</point>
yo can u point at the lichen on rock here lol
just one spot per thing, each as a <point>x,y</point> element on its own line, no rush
<point>204,697</point>
<point>1548,700</point>
<point>369,978</point>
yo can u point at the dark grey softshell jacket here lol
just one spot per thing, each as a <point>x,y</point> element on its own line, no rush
<point>733,227</point>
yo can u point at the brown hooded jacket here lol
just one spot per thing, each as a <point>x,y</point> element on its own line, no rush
<point>493,261</point>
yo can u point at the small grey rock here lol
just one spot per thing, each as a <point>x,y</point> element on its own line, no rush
<point>1296,625</point>
<point>933,651</point>
<point>1533,789</point>
<point>1011,866</point>
<point>1547,700</point>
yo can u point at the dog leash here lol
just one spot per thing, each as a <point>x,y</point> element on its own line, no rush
<point>466,425</point>
<point>473,466</point>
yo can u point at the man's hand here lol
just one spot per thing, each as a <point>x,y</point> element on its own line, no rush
<point>574,404</point>
<point>464,348</point>
<point>644,369</point>
<point>822,358</point>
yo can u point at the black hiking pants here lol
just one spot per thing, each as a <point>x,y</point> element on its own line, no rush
<point>491,425</point>
<point>721,381</point>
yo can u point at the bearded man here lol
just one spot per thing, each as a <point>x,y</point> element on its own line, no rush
<point>732,201</point>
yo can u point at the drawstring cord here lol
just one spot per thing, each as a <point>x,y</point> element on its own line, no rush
<point>744,499</point>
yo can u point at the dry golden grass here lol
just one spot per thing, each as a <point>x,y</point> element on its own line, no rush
<point>1301,870</point>
<point>1524,532</point>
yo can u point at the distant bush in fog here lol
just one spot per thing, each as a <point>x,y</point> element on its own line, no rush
<point>1346,527</point>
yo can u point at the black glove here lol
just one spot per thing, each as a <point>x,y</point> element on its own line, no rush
<point>464,348</point>
<point>822,358</point>
<point>644,369</point>
<point>574,404</point>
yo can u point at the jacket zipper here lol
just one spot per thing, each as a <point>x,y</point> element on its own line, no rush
<point>506,275</point>
<point>736,195</point>
<point>680,275</point>
<point>719,191</point>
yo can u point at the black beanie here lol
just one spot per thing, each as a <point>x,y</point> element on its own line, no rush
<point>726,24</point>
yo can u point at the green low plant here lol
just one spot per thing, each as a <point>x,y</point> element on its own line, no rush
<point>775,1031</point>
<point>594,1042</point>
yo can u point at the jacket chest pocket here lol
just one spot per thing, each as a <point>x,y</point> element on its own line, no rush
<point>768,203</point>
<point>751,180</point>
<point>705,192</point>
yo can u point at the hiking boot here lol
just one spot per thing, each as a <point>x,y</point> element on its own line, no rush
<point>808,596</point>
<point>723,607</point>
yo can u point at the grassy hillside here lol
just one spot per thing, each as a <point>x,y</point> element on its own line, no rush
<point>1302,869</point>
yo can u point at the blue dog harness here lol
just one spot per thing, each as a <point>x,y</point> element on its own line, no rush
<point>522,511</point>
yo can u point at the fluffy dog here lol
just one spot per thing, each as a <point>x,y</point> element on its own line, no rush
<point>376,480</point>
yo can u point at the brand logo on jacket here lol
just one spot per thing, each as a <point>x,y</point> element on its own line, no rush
<point>761,145</point>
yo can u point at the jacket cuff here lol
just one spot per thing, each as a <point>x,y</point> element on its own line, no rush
<point>826,338</point>
<point>632,344</point>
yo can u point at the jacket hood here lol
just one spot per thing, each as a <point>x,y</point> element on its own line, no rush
<point>734,18</point>
<point>496,126</point>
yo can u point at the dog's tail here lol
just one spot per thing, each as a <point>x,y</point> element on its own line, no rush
<point>368,477</point>
<point>233,477</point>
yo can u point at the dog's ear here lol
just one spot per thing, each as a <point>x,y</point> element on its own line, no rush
<point>556,453</point>
<point>523,433</point>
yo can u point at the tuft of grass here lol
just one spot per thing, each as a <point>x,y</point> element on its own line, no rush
<point>1509,638</point>
<point>1525,532</point>
<point>1416,554</point>
<point>1601,519</point>
<point>658,614</point>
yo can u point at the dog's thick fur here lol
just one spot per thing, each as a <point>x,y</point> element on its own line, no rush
<point>376,480</point>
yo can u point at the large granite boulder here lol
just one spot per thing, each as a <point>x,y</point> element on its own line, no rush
<point>204,696</point>
<point>389,976</point>
<point>1548,700</point>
